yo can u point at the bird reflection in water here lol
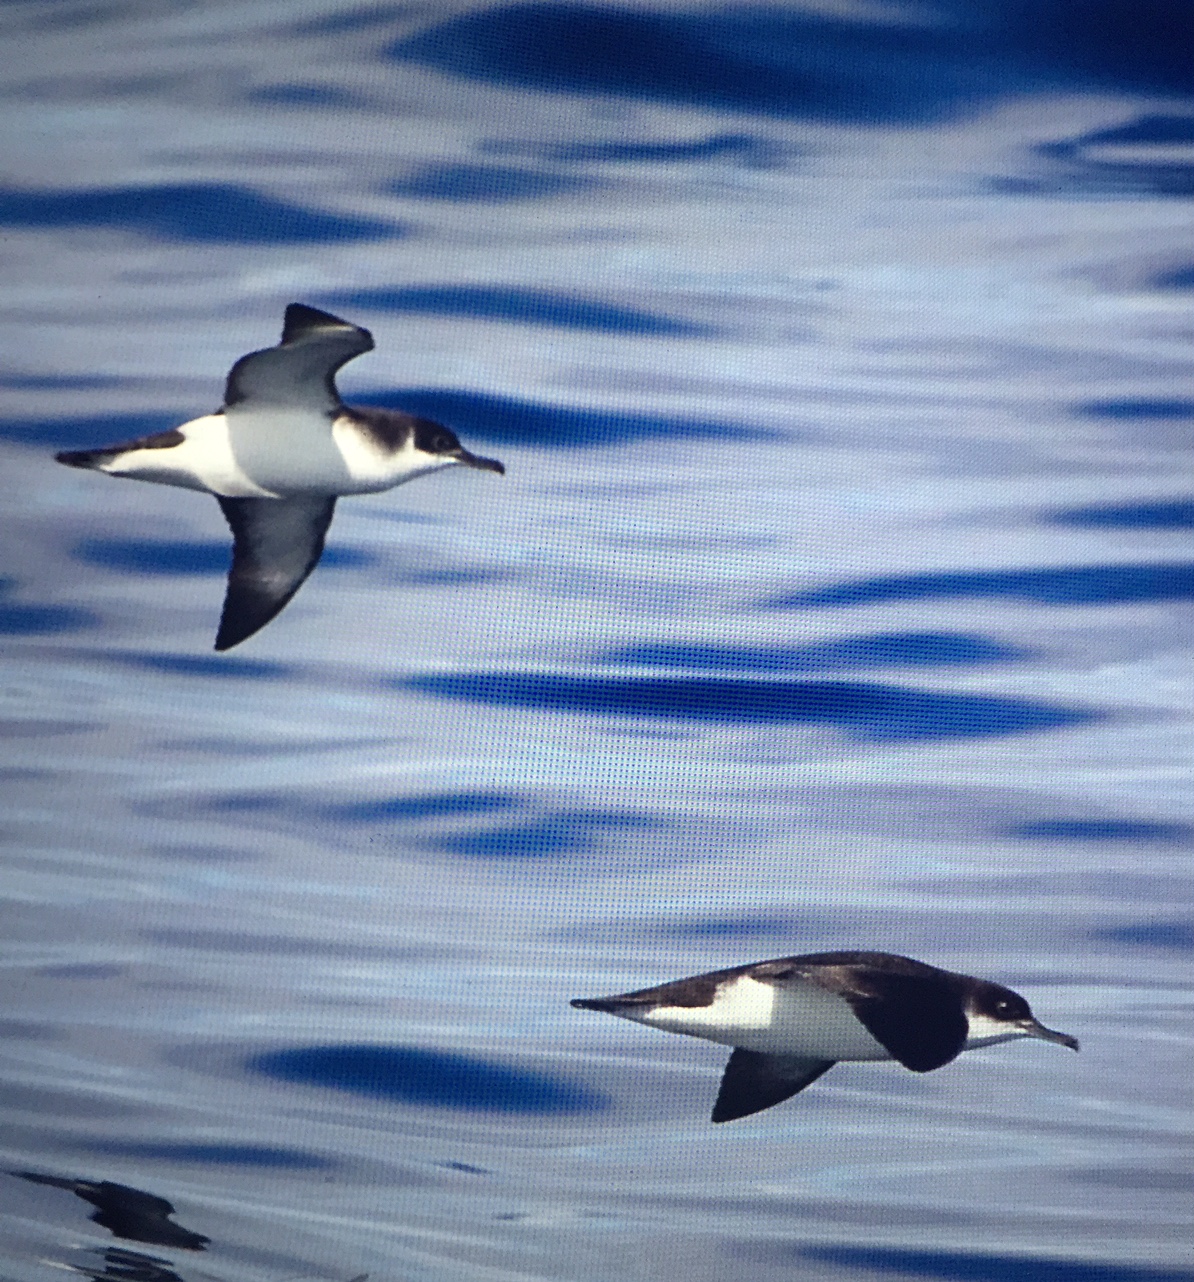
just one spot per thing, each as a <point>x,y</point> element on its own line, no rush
<point>126,1212</point>
<point>128,1266</point>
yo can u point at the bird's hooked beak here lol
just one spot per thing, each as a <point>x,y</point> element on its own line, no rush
<point>1031,1028</point>
<point>475,460</point>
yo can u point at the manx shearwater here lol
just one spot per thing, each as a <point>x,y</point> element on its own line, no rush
<point>278,454</point>
<point>791,1019</point>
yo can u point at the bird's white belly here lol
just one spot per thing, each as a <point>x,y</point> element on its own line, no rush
<point>202,461</point>
<point>793,1019</point>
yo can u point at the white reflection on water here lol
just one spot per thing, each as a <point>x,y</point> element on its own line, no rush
<point>837,595</point>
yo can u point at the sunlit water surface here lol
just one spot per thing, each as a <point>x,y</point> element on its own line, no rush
<point>837,596</point>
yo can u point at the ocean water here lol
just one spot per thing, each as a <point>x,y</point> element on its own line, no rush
<point>838,595</point>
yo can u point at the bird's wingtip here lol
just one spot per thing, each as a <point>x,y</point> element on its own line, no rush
<point>300,319</point>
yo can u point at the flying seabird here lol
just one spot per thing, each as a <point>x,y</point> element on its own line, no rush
<point>277,455</point>
<point>791,1019</point>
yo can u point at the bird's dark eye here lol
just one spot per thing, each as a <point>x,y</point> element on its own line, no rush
<point>1003,1007</point>
<point>442,444</point>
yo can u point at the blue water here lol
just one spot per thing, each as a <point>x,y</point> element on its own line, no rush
<point>837,595</point>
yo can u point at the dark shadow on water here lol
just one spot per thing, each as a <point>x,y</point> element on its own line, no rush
<point>410,808</point>
<point>1128,1177</point>
<point>796,65</point>
<point>187,557</point>
<point>202,665</point>
<point>820,65</point>
<point>58,382</point>
<point>487,184</point>
<point>199,853</point>
<point>865,711</point>
<point>35,728</point>
<point>958,1266</point>
<point>443,578</point>
<point>300,95</point>
<point>1149,129</point>
<point>1137,408</point>
<point>126,1212</point>
<point>745,926</point>
<point>518,828</point>
<point>82,970</point>
<point>1161,514</point>
<point>747,149</point>
<point>513,305</point>
<point>1121,830</point>
<point>158,556</point>
<point>1061,585</point>
<point>247,1155</point>
<point>555,834</point>
<point>239,803</point>
<point>1176,278</point>
<point>878,650</point>
<point>434,805</point>
<point>82,432</point>
<point>438,1079</point>
<point>1177,935</point>
<point>31,619</point>
<point>250,944</point>
<point>1140,159</point>
<point>202,213</point>
<point>504,420</point>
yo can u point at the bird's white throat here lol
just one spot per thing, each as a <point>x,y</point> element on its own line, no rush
<point>984,1031</point>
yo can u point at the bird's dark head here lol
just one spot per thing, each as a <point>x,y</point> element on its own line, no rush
<point>441,442</point>
<point>997,1014</point>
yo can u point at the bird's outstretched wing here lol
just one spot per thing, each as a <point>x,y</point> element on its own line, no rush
<point>276,544</point>
<point>753,1082</point>
<point>301,370</point>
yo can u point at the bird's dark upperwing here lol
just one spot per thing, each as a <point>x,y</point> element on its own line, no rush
<point>753,1082</point>
<point>301,370</point>
<point>276,544</point>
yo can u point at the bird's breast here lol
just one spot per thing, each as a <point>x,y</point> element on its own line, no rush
<point>287,451</point>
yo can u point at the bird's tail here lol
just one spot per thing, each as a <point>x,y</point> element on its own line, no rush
<point>82,458</point>
<point>610,1005</point>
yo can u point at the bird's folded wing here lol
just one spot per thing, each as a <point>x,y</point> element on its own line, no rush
<point>301,370</point>
<point>754,1081</point>
<point>918,1022</point>
<point>276,544</point>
